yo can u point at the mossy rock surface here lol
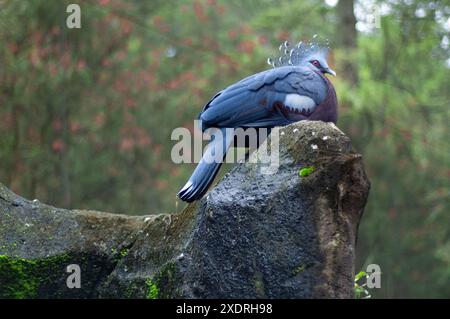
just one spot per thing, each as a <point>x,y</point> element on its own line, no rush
<point>255,235</point>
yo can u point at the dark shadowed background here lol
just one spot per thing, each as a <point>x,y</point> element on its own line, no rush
<point>86,114</point>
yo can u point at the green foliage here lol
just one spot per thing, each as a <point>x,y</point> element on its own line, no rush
<point>360,275</point>
<point>360,289</point>
<point>86,114</point>
<point>398,118</point>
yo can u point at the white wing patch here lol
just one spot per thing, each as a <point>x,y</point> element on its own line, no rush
<point>297,102</point>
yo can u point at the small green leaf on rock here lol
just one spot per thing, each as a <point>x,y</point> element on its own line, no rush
<point>305,171</point>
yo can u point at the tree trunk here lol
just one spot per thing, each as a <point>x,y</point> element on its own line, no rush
<point>347,37</point>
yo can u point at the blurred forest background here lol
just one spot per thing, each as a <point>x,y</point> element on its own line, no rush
<point>86,114</point>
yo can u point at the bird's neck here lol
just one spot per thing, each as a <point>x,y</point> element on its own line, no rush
<point>327,110</point>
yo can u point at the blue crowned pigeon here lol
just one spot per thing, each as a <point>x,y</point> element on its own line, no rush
<point>294,89</point>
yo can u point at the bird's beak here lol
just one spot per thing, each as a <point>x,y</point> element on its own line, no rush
<point>330,71</point>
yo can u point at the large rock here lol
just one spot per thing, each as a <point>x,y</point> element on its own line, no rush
<point>254,235</point>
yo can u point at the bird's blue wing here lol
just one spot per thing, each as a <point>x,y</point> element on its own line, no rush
<point>250,102</point>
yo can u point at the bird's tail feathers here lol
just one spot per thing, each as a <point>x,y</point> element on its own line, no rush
<point>208,167</point>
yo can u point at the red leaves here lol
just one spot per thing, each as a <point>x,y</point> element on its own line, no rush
<point>130,103</point>
<point>99,119</point>
<point>226,62</point>
<point>175,172</point>
<point>120,86</point>
<point>58,145</point>
<point>13,47</point>
<point>81,65</point>
<point>65,59</point>
<point>133,137</point>
<point>262,39</point>
<point>187,41</point>
<point>161,184</point>
<point>57,125</point>
<point>160,24</point>
<point>181,80</point>
<point>221,9</point>
<point>74,127</point>
<point>126,26</point>
<point>232,34</point>
<point>407,134</point>
<point>199,11</point>
<point>247,46</point>
<point>126,144</point>
<point>283,35</point>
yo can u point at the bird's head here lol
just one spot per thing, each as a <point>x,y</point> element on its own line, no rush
<point>319,63</point>
<point>313,54</point>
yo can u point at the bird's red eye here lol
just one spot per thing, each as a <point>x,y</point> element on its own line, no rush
<point>315,63</point>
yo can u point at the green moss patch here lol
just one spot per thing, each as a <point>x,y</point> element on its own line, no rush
<point>124,252</point>
<point>152,289</point>
<point>21,278</point>
<point>165,284</point>
<point>299,269</point>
